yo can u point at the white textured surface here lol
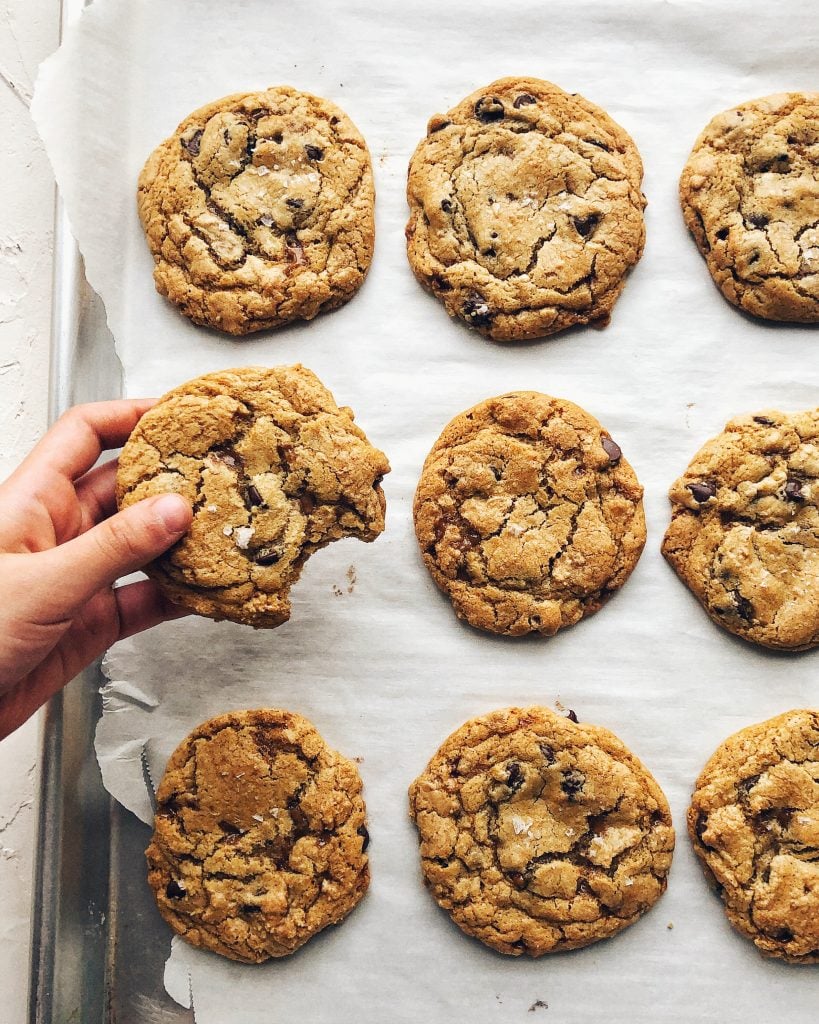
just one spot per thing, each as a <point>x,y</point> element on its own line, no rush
<point>28,33</point>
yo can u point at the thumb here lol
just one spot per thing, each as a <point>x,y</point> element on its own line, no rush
<point>120,545</point>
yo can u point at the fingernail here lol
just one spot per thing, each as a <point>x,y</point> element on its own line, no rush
<point>174,511</point>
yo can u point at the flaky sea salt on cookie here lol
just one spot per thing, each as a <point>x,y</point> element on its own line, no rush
<point>259,836</point>
<point>525,210</point>
<point>539,834</point>
<point>274,470</point>
<point>259,210</point>
<point>750,197</point>
<point>527,514</point>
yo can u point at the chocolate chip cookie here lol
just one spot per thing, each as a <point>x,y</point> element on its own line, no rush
<point>525,210</point>
<point>527,514</point>
<point>750,196</point>
<point>259,836</point>
<point>744,528</point>
<point>538,834</point>
<point>274,470</point>
<point>259,210</point>
<point>754,823</point>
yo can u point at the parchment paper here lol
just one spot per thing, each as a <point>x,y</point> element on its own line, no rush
<point>373,654</point>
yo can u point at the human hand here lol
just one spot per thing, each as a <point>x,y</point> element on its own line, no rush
<point>62,546</point>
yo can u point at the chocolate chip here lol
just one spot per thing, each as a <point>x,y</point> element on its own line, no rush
<point>703,491</point>
<point>266,556</point>
<point>524,100</point>
<point>230,828</point>
<point>491,253</point>
<point>314,153</point>
<point>441,283</point>
<point>446,206</point>
<point>489,108</point>
<point>175,890</point>
<point>783,935</point>
<point>295,204</point>
<point>613,451</point>
<point>793,490</point>
<point>571,716</point>
<point>585,225</point>
<point>306,504</point>
<point>701,825</point>
<point>598,143</point>
<point>365,835</point>
<point>723,233</point>
<point>745,610</point>
<point>477,312</point>
<point>441,861</point>
<point>277,137</point>
<point>514,776</point>
<point>250,908</point>
<point>252,496</point>
<point>572,782</point>
<point>759,220</point>
<point>764,421</point>
<point>754,259</point>
<point>193,143</point>
<point>517,879</point>
<point>548,753</point>
<point>299,818</point>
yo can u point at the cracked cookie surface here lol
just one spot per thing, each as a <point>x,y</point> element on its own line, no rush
<point>259,210</point>
<point>525,210</point>
<point>750,197</point>
<point>538,834</point>
<point>274,470</point>
<point>744,533</point>
<point>259,836</point>
<point>754,824</point>
<point>527,515</point>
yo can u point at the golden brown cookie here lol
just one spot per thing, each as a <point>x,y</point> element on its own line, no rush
<point>258,210</point>
<point>539,834</point>
<point>527,515</point>
<point>274,470</point>
<point>744,533</point>
<point>259,836</point>
<point>754,823</point>
<point>750,197</point>
<point>525,210</point>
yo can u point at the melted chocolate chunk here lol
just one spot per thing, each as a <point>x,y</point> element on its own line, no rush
<point>488,109</point>
<point>793,490</point>
<point>611,449</point>
<point>193,143</point>
<point>703,491</point>
<point>252,496</point>
<point>572,782</point>
<point>745,610</point>
<point>585,225</point>
<point>524,100</point>
<point>314,153</point>
<point>477,312</point>
<point>175,890</point>
<point>514,776</point>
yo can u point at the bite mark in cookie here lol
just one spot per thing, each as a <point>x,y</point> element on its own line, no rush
<point>274,470</point>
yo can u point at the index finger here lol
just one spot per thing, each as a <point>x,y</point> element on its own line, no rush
<point>81,435</point>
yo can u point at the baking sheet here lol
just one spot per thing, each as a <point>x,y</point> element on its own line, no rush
<point>373,654</point>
